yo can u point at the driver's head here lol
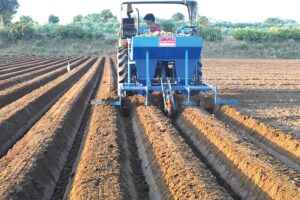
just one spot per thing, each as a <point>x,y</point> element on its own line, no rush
<point>149,18</point>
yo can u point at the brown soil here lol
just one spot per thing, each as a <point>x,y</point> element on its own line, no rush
<point>268,179</point>
<point>276,139</point>
<point>20,89</point>
<point>31,69</point>
<point>20,115</point>
<point>28,65</point>
<point>110,175</point>
<point>54,145</point>
<point>98,172</point>
<point>32,167</point>
<point>13,62</point>
<point>176,170</point>
<point>4,84</point>
<point>268,90</point>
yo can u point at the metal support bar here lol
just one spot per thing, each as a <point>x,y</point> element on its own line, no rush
<point>163,92</point>
<point>147,69</point>
<point>128,63</point>
<point>147,98</point>
<point>186,68</point>
<point>188,102</point>
<point>220,101</point>
<point>171,94</point>
<point>129,71</point>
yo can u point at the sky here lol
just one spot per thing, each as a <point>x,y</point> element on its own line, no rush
<point>223,10</point>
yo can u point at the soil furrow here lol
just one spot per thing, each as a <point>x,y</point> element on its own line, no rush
<point>12,63</point>
<point>284,143</point>
<point>18,90</point>
<point>22,66</point>
<point>4,84</point>
<point>26,61</point>
<point>104,170</point>
<point>31,69</point>
<point>32,167</point>
<point>247,169</point>
<point>17,117</point>
<point>175,170</point>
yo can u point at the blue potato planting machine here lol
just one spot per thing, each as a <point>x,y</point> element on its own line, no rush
<point>165,62</point>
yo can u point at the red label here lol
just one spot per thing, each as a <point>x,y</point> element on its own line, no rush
<point>167,42</point>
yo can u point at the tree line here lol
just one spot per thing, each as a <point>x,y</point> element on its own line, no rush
<point>94,26</point>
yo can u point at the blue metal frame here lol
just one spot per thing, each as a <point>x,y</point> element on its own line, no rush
<point>144,52</point>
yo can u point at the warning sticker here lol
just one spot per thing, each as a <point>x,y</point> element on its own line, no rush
<point>167,42</point>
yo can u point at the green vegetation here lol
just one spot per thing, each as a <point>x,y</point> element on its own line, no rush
<point>178,17</point>
<point>57,47</point>
<point>53,19</point>
<point>232,48</point>
<point>92,26</point>
<point>7,10</point>
<point>211,33</point>
<point>97,32</point>
<point>264,35</point>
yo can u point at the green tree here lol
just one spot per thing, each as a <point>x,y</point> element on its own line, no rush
<point>23,29</point>
<point>93,18</point>
<point>274,21</point>
<point>53,19</point>
<point>107,15</point>
<point>26,19</point>
<point>77,18</point>
<point>167,25</point>
<point>178,17</point>
<point>203,21</point>
<point>7,10</point>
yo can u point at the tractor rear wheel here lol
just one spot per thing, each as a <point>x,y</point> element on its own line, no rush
<point>199,78</point>
<point>122,65</point>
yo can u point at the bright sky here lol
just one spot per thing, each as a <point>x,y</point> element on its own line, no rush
<point>231,10</point>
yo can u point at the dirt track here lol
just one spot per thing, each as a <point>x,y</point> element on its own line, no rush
<point>54,145</point>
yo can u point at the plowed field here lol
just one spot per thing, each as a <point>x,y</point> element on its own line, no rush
<point>55,145</point>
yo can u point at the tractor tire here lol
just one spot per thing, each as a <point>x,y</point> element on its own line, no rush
<point>199,78</point>
<point>122,65</point>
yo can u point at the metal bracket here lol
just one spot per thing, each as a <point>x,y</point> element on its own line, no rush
<point>220,101</point>
<point>98,102</point>
<point>101,102</point>
<point>189,102</point>
<point>171,93</point>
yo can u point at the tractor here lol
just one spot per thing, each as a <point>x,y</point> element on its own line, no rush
<point>169,63</point>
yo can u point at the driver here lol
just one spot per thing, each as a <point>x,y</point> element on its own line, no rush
<point>150,20</point>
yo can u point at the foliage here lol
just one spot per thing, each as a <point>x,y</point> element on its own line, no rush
<point>112,41</point>
<point>278,21</point>
<point>92,26</point>
<point>72,31</point>
<point>77,18</point>
<point>203,21</point>
<point>167,25</point>
<point>95,25</point>
<point>20,30</point>
<point>26,19</point>
<point>69,31</point>
<point>264,35</point>
<point>7,9</point>
<point>107,15</point>
<point>211,33</point>
<point>266,24</point>
<point>53,19</point>
<point>177,17</point>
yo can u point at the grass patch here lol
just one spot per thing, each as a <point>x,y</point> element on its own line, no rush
<point>226,48</point>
